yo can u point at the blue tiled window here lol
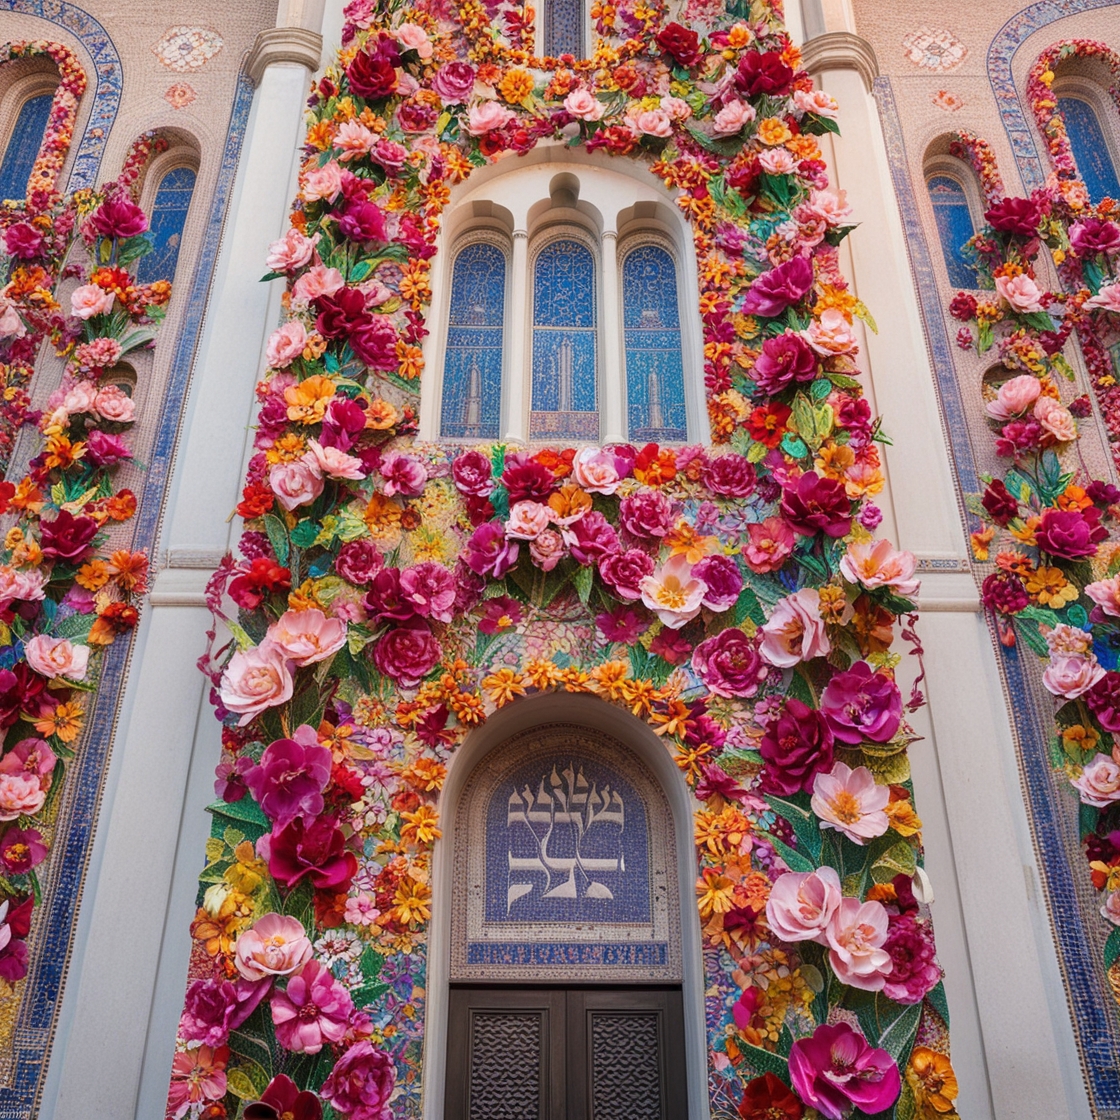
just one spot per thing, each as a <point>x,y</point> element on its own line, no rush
<point>654,364</point>
<point>169,216</point>
<point>565,391</point>
<point>563,28</point>
<point>954,227</point>
<point>1090,150</point>
<point>23,147</point>
<point>472,369</point>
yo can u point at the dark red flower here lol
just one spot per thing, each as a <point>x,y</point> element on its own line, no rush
<point>119,217</point>
<point>785,358</point>
<point>284,1100</point>
<point>67,537</point>
<point>315,849</point>
<point>999,502</point>
<point>1018,217</point>
<point>1004,593</point>
<point>372,75</point>
<point>681,44</point>
<point>963,307</point>
<point>766,1098</point>
<point>781,287</point>
<point>795,747</point>
<point>527,479</point>
<point>762,72</point>
<point>1069,533</point>
<point>817,505</point>
<point>1104,701</point>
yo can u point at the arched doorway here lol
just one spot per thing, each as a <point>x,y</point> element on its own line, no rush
<point>570,990</point>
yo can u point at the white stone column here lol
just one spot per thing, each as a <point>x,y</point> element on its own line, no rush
<point>112,1054</point>
<point>518,377</point>
<point>612,382</point>
<point>1012,1042</point>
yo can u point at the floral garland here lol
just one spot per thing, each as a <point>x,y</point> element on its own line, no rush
<point>67,589</point>
<point>1045,521</point>
<point>391,595</point>
<point>44,209</point>
<point>978,154</point>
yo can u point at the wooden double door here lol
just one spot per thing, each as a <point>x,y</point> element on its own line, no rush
<point>586,1053</point>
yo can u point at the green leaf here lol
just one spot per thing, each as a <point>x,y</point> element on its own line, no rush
<point>305,533</point>
<point>820,388</point>
<point>938,1000</point>
<point>765,1062</point>
<point>1027,630</point>
<point>582,580</point>
<point>803,821</point>
<point>748,606</point>
<point>898,1036</point>
<point>247,1080</point>
<point>1087,818</point>
<point>245,812</point>
<point>794,860</point>
<point>817,126</point>
<point>1039,320</point>
<point>1112,948</point>
<point>907,1107</point>
<point>277,536</point>
<point>899,859</point>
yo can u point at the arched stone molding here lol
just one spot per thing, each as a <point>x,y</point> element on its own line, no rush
<point>841,50</point>
<point>284,44</point>
<point>595,714</point>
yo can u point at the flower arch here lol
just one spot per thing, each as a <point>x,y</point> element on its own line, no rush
<point>978,154</point>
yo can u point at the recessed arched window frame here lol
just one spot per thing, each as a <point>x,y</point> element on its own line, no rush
<point>23,145</point>
<point>473,357</point>
<point>652,343</point>
<point>565,344</point>
<point>954,195</point>
<point>1089,141</point>
<point>167,219</point>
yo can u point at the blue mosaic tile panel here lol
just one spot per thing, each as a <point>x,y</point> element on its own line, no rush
<point>563,28</point>
<point>23,147</point>
<point>472,365</point>
<point>1090,150</point>
<point>654,362</point>
<point>640,954</point>
<point>565,344</point>
<point>169,216</point>
<point>954,227</point>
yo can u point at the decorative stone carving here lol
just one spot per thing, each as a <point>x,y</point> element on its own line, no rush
<point>284,44</point>
<point>840,50</point>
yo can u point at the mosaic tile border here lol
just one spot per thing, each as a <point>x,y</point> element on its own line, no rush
<point>39,1008</point>
<point>1001,54</point>
<point>587,955</point>
<point>108,76</point>
<point>1053,827</point>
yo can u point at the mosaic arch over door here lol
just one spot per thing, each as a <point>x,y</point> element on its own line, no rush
<point>565,865</point>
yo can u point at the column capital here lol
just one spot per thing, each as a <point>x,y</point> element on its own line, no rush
<point>284,44</point>
<point>521,235</point>
<point>610,235</point>
<point>841,50</point>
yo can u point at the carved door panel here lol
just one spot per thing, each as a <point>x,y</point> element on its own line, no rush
<point>580,1054</point>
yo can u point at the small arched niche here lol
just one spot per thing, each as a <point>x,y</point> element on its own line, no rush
<point>958,208</point>
<point>27,93</point>
<point>563,893</point>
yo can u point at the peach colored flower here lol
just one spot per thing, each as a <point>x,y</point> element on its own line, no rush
<point>21,795</point>
<point>114,404</point>
<point>1056,419</point>
<point>527,520</point>
<point>332,462</point>
<point>795,630</point>
<point>778,161</point>
<point>90,300</point>
<point>286,344</point>
<point>1014,397</point>
<point>652,122</point>
<point>296,484</point>
<point>1104,592</point>
<point>1107,299</point>
<point>1099,782</point>
<point>292,251</point>
<point>322,182</point>
<point>11,325</point>
<point>486,117</point>
<point>80,397</point>
<point>412,37</point>
<point>672,593</point>
<point>878,564</point>
<point>25,585</point>
<point>584,105</point>
<point>817,102</point>
<point>317,281</point>
<point>57,657</point>
<point>801,904</point>
<point>729,121</point>
<point>1020,292</point>
<point>832,208</point>
<point>677,108</point>
<point>275,945</point>
<point>851,802</point>
<point>855,938</point>
<point>307,636</point>
<point>832,334</point>
<point>596,471</point>
<point>354,140</point>
<point>255,679</point>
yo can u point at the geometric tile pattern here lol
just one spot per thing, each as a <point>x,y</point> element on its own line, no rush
<point>625,1066</point>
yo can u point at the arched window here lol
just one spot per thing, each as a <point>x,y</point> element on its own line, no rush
<point>168,217</point>
<point>23,146</point>
<point>955,226</point>
<point>652,335</point>
<point>563,28</point>
<point>1090,149</point>
<point>565,347</point>
<point>472,370</point>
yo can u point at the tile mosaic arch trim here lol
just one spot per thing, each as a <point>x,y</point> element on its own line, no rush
<point>1001,53</point>
<point>37,1016</point>
<point>108,79</point>
<point>1071,907</point>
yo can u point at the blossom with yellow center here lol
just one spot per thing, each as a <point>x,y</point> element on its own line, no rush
<point>286,449</point>
<point>307,401</point>
<point>412,902</point>
<point>715,893</point>
<point>773,131</point>
<point>516,86</point>
<point>609,679</point>
<point>640,695</point>
<point>1079,740</point>
<point>1051,588</point>
<point>542,674</point>
<point>503,686</point>
<point>65,722</point>
<point>903,819</point>
<point>932,1080</point>
<point>421,826</point>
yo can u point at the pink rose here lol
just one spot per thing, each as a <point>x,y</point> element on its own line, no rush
<point>1071,676</point>
<point>56,657</point>
<point>795,631</point>
<point>334,463</point>
<point>596,471</point>
<point>832,334</point>
<point>115,405</point>
<point>274,945</point>
<point>322,182</point>
<point>317,281</point>
<point>11,325</point>
<point>21,795</point>
<point>79,397</point>
<point>855,937</point>
<point>1099,783</point>
<point>801,904</point>
<point>307,636</point>
<point>354,140</point>
<point>547,549</point>
<point>486,117</point>
<point>653,122</point>
<point>729,121</point>
<point>1107,299</point>
<point>1020,292</point>
<point>777,161</point>
<point>1104,592</point>
<point>286,344</point>
<point>832,209</point>
<point>403,474</point>
<point>677,108</point>
<point>292,251</point>
<point>1056,419</point>
<point>878,564</point>
<point>1014,397</point>
<point>26,586</point>
<point>412,37</point>
<point>527,520</point>
<point>295,484</point>
<point>584,105</point>
<point>1111,908</point>
<point>817,102</point>
<point>769,545</point>
<point>255,679</point>
<point>90,300</point>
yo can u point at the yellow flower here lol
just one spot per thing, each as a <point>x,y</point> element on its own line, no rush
<point>383,517</point>
<point>833,603</point>
<point>307,401</point>
<point>774,131</point>
<point>287,449</point>
<point>980,542</point>
<point>420,826</point>
<point>412,902</point>
<point>640,695</point>
<point>65,722</point>
<point>542,674</point>
<point>503,686</point>
<point>1079,739</point>
<point>903,818</point>
<point>715,893</point>
<point>1051,588</point>
<point>610,678</point>
<point>933,1082</point>
<point>516,86</point>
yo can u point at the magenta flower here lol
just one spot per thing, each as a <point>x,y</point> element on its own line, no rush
<point>729,664</point>
<point>489,553</point>
<point>623,572</point>
<point>23,241</point>
<point>861,704</point>
<point>291,776</point>
<point>430,588</point>
<point>781,287</point>
<point>21,849</point>
<point>316,849</point>
<point>471,473</point>
<point>214,1007</point>
<point>784,359</point>
<point>835,1070</point>
<point>729,476</point>
<point>385,599</point>
<point>724,580</point>
<point>623,624</point>
<point>527,480</point>
<point>591,538</point>
<point>797,745</point>
<point>407,653</point>
<point>403,474</point>
<point>817,505</point>
<point>358,562</point>
<point>499,614</point>
<point>361,1083</point>
<point>1092,235</point>
<point>314,1010</point>
<point>647,514</point>
<point>454,82</point>
<point>119,217</point>
<point>914,970</point>
<point>1068,533</point>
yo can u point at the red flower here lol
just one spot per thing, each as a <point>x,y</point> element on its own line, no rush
<point>767,423</point>
<point>67,537</point>
<point>317,850</point>
<point>264,575</point>
<point>764,1098</point>
<point>762,72</point>
<point>814,504</point>
<point>283,1100</point>
<point>680,43</point>
<point>372,75</point>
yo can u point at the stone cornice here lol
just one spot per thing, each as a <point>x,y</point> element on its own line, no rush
<point>840,50</point>
<point>284,44</point>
